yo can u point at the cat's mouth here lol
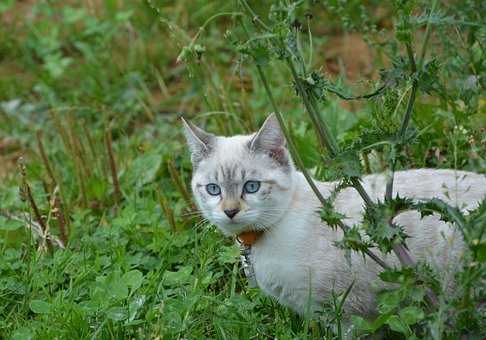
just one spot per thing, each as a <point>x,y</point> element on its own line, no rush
<point>235,228</point>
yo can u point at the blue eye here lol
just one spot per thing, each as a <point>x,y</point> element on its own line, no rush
<point>213,189</point>
<point>251,187</point>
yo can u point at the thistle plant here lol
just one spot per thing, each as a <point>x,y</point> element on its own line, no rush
<point>278,39</point>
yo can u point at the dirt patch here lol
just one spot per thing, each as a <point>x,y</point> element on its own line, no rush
<point>19,12</point>
<point>350,54</point>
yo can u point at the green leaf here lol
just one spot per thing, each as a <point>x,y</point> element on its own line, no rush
<point>481,252</point>
<point>417,294</point>
<point>123,15</point>
<point>144,169</point>
<point>118,289</point>
<point>389,300</point>
<point>361,323</point>
<point>40,306</point>
<point>135,305</point>
<point>346,164</point>
<point>133,279</point>
<point>398,276</point>
<point>229,254</point>
<point>182,276</point>
<point>9,225</point>
<point>96,187</point>
<point>411,315</point>
<point>72,15</point>
<point>397,325</point>
<point>117,313</point>
<point>380,321</point>
<point>23,333</point>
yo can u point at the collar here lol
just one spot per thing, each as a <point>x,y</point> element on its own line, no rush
<point>248,238</point>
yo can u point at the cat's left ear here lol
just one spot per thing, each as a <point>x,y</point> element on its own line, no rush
<point>200,142</point>
<point>271,140</point>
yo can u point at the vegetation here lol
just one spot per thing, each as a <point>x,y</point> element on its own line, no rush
<point>99,237</point>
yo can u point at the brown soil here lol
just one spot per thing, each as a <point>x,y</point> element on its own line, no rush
<point>348,53</point>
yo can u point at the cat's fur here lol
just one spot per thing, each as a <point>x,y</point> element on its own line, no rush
<point>295,260</point>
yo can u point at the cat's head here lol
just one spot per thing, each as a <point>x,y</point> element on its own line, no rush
<point>241,183</point>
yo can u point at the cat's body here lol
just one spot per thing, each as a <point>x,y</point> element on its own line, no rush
<point>246,183</point>
<point>298,253</point>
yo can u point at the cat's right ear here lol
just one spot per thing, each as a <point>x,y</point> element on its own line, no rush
<point>200,142</point>
<point>271,140</point>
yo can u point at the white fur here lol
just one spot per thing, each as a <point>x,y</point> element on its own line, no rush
<point>298,252</point>
<point>295,260</point>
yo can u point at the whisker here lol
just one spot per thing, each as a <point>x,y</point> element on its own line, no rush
<point>191,213</point>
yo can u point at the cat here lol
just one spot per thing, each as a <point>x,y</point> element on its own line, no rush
<point>249,182</point>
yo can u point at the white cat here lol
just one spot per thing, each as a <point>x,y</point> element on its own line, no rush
<point>243,183</point>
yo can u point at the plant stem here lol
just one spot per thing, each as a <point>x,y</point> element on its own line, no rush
<point>25,189</point>
<point>179,183</point>
<point>400,250</point>
<point>324,136</point>
<point>45,159</point>
<point>427,36</point>
<point>323,133</point>
<point>362,96</point>
<point>300,163</point>
<point>254,17</point>
<point>411,99</point>
<point>325,139</point>
<point>111,158</point>
<point>406,119</point>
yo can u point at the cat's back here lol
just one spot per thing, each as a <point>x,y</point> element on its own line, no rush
<point>453,186</point>
<point>430,238</point>
<point>459,188</point>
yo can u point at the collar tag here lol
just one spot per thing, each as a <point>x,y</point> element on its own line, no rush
<point>245,251</point>
<point>246,240</point>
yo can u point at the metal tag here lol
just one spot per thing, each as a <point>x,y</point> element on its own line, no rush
<point>247,266</point>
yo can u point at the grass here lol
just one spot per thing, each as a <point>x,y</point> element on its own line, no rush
<point>90,95</point>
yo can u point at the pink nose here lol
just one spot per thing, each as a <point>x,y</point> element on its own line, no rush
<point>231,212</point>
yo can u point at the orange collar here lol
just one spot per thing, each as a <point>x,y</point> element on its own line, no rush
<point>248,238</point>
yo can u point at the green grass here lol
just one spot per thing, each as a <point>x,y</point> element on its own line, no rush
<point>86,76</point>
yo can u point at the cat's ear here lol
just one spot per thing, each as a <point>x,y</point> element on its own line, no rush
<point>200,142</point>
<point>271,140</point>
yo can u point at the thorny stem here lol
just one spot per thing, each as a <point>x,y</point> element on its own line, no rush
<point>300,163</point>
<point>363,96</point>
<point>406,119</point>
<point>326,139</point>
<point>203,27</point>
<point>427,35</point>
<point>411,99</point>
<point>400,251</point>
<point>254,17</point>
<point>323,133</point>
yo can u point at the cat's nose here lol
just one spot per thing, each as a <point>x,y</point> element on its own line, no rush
<point>231,212</point>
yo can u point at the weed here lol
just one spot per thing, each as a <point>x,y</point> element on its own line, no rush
<point>106,176</point>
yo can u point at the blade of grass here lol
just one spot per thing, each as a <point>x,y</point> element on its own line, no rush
<point>111,160</point>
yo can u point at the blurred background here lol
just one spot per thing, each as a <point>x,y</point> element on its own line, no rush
<point>90,98</point>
